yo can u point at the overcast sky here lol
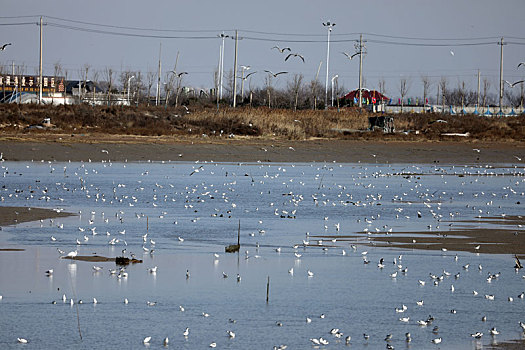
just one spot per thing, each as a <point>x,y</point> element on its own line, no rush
<point>386,25</point>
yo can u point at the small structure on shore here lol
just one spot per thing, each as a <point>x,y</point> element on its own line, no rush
<point>385,123</point>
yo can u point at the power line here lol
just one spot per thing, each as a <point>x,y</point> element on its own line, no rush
<point>99,31</point>
<point>139,28</point>
<point>18,24</point>
<point>338,35</point>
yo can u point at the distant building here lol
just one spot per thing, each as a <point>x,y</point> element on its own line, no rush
<point>87,87</point>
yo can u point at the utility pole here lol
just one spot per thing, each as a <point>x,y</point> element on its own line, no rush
<point>330,26</point>
<point>40,67</point>
<point>479,86</point>
<point>360,70</point>
<point>235,71</point>
<point>501,43</point>
<point>157,95</point>
<point>221,63</point>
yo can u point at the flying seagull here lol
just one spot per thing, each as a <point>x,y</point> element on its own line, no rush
<point>179,74</point>
<point>281,50</point>
<point>519,64</point>
<point>274,74</point>
<point>2,48</point>
<point>514,84</point>
<point>248,75</point>
<point>350,56</point>
<point>294,55</point>
<point>196,170</point>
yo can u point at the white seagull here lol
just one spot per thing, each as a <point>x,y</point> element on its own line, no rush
<point>350,56</point>
<point>514,84</point>
<point>72,254</point>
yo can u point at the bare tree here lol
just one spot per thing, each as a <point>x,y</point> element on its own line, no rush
<point>425,80</point>
<point>150,78</point>
<point>95,80</point>
<point>58,69</point>
<point>522,95</point>
<point>137,86</point>
<point>382,86</point>
<point>316,90</point>
<point>85,73</point>
<point>294,86</point>
<point>486,88</point>
<point>21,69</point>
<point>178,89</point>
<point>443,86</point>
<point>229,84</point>
<point>109,75</point>
<point>269,88</point>
<point>404,85</point>
<point>461,93</point>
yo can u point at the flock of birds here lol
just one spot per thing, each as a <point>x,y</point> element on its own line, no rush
<point>362,190</point>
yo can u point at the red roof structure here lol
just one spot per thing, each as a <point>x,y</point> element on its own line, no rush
<point>367,94</point>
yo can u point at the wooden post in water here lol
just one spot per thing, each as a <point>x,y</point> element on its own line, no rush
<point>147,223</point>
<point>239,234</point>
<point>267,290</point>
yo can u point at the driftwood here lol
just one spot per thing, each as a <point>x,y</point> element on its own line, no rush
<point>97,258</point>
<point>232,248</point>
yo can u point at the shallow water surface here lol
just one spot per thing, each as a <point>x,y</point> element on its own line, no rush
<point>192,210</point>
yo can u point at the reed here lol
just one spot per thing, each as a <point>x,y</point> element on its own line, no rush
<point>261,122</point>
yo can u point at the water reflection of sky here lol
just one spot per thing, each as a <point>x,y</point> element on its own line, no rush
<point>277,205</point>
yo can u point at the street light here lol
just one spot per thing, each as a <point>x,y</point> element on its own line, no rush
<point>129,79</point>
<point>329,25</point>
<point>221,62</point>
<point>242,81</point>
<point>333,78</point>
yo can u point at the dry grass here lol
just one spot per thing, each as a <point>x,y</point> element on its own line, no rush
<point>261,122</point>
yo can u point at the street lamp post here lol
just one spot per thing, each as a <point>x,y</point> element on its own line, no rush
<point>129,79</point>
<point>333,78</point>
<point>221,63</point>
<point>242,81</point>
<point>329,25</point>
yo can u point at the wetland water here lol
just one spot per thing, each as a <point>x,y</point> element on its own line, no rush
<point>191,211</point>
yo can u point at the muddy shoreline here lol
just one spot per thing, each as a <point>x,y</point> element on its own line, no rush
<point>140,148</point>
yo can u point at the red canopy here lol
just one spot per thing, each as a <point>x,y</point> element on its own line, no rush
<point>368,94</point>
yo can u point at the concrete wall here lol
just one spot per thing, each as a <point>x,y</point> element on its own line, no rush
<point>508,111</point>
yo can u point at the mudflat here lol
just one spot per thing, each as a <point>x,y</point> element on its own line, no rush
<point>165,148</point>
